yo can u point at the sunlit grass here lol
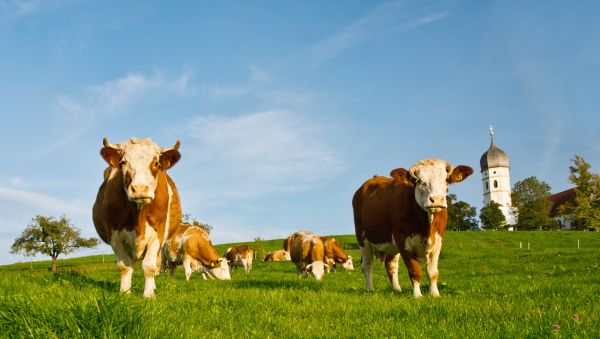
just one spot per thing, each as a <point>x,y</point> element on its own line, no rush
<point>491,287</point>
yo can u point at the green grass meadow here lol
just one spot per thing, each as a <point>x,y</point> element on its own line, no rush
<point>492,286</point>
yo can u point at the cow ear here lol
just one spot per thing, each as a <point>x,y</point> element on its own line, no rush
<point>459,174</point>
<point>401,175</point>
<point>111,155</point>
<point>169,158</point>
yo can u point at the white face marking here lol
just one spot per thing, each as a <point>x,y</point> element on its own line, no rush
<point>219,273</point>
<point>348,265</point>
<point>431,187</point>
<point>317,268</point>
<point>135,164</point>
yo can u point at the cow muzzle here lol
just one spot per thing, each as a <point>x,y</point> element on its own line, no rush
<point>436,204</point>
<point>140,194</point>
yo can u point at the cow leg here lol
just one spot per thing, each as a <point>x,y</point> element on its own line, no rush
<point>432,267</point>
<point>187,267</point>
<point>149,262</point>
<point>414,272</point>
<point>366,264</point>
<point>391,266</point>
<point>125,265</point>
<point>124,257</point>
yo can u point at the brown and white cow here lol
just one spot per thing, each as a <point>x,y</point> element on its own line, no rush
<point>191,246</point>
<point>335,254</point>
<point>136,205</point>
<point>240,256</point>
<point>405,215</point>
<point>279,255</point>
<point>308,253</point>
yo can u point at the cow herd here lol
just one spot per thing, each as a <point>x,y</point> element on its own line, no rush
<point>138,213</point>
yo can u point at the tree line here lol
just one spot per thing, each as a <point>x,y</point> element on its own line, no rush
<point>530,198</point>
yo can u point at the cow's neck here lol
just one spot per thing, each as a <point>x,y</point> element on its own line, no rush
<point>156,211</point>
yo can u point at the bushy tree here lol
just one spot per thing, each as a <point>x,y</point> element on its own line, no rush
<point>530,197</point>
<point>259,248</point>
<point>491,216</point>
<point>461,215</point>
<point>49,236</point>
<point>584,212</point>
<point>186,218</point>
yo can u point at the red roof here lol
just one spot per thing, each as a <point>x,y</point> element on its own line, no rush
<point>560,199</point>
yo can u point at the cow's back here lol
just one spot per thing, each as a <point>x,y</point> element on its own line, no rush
<point>306,247</point>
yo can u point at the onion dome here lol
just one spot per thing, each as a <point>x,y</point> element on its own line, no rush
<point>493,157</point>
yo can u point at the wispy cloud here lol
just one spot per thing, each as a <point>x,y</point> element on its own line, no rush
<point>261,153</point>
<point>11,10</point>
<point>41,203</point>
<point>388,18</point>
<point>115,96</point>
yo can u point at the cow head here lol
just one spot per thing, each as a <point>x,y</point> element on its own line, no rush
<point>139,162</point>
<point>218,269</point>
<point>430,178</point>
<point>348,265</point>
<point>317,268</point>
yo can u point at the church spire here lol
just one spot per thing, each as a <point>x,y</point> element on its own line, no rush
<point>492,134</point>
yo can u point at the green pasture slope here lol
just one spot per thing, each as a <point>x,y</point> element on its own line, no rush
<point>490,288</point>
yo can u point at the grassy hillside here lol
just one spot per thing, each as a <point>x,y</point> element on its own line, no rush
<point>490,288</point>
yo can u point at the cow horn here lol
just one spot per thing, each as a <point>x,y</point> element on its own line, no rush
<point>413,170</point>
<point>176,147</point>
<point>107,144</point>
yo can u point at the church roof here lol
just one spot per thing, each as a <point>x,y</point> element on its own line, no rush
<point>560,199</point>
<point>493,157</point>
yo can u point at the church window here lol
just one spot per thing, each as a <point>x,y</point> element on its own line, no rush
<point>495,183</point>
<point>487,186</point>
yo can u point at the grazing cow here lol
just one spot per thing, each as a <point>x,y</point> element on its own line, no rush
<point>191,246</point>
<point>406,215</point>
<point>279,255</point>
<point>240,256</point>
<point>137,205</point>
<point>308,253</point>
<point>334,254</point>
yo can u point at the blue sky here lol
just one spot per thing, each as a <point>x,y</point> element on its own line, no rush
<point>284,108</point>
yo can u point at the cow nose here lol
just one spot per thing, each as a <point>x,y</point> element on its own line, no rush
<point>139,189</point>
<point>437,201</point>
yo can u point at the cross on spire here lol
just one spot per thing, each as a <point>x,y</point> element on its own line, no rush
<point>492,133</point>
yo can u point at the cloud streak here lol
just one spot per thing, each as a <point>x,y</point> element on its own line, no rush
<point>40,203</point>
<point>115,96</point>
<point>389,18</point>
<point>261,153</point>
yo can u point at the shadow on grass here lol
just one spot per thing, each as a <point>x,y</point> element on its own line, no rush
<point>76,278</point>
<point>296,284</point>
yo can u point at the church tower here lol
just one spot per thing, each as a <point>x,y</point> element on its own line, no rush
<point>495,172</point>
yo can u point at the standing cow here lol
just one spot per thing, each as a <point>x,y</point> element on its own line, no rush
<point>406,215</point>
<point>334,254</point>
<point>240,256</point>
<point>308,253</point>
<point>189,245</point>
<point>136,205</point>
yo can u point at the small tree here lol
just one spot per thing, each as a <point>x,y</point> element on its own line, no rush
<point>46,235</point>
<point>585,210</point>
<point>259,248</point>
<point>531,197</point>
<point>186,218</point>
<point>491,216</point>
<point>461,215</point>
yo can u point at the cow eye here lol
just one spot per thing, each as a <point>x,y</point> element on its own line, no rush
<point>155,164</point>
<point>122,163</point>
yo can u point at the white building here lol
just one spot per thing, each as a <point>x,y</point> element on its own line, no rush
<point>495,172</point>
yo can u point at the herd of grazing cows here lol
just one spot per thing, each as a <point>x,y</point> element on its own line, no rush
<point>138,213</point>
